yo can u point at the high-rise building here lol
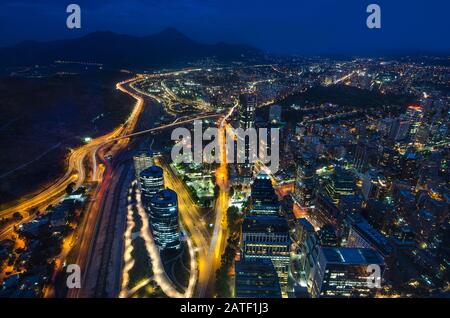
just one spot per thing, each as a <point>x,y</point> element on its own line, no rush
<point>399,130</point>
<point>256,278</point>
<point>345,272</point>
<point>164,219</point>
<point>341,183</point>
<point>365,155</point>
<point>267,237</point>
<point>264,200</point>
<point>305,180</point>
<point>247,120</point>
<point>302,229</point>
<point>142,161</point>
<point>247,110</point>
<point>327,236</point>
<point>151,181</point>
<point>363,235</point>
<point>375,185</point>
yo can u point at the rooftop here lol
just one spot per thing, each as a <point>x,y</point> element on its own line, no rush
<point>356,256</point>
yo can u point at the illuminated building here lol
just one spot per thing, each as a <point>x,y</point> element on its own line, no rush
<point>263,197</point>
<point>305,180</point>
<point>341,183</point>
<point>399,130</point>
<point>365,154</point>
<point>327,236</point>
<point>256,279</point>
<point>375,185</point>
<point>267,237</point>
<point>343,272</point>
<point>142,161</point>
<point>363,235</point>
<point>247,110</point>
<point>302,229</point>
<point>151,181</point>
<point>246,120</point>
<point>325,211</point>
<point>409,165</point>
<point>164,219</point>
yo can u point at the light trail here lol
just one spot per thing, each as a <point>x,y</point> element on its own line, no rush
<point>190,216</point>
<point>158,269</point>
<point>128,239</point>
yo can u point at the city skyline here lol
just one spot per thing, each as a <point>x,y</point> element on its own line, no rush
<point>166,166</point>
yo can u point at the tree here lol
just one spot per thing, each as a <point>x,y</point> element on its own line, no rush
<point>18,216</point>
<point>70,188</point>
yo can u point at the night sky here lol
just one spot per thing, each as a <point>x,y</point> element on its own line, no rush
<point>281,26</point>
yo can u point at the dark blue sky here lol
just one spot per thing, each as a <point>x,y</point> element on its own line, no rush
<point>280,26</point>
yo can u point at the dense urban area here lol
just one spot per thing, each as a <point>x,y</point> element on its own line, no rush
<point>357,207</point>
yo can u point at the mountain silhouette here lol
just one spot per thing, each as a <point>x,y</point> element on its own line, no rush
<point>166,48</point>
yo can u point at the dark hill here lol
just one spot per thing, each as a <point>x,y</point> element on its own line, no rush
<point>164,49</point>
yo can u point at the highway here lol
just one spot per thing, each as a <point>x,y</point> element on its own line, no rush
<point>220,233</point>
<point>110,175</point>
<point>190,217</point>
<point>75,171</point>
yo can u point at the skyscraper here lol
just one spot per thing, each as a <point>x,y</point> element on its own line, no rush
<point>345,272</point>
<point>263,198</point>
<point>267,237</point>
<point>247,110</point>
<point>247,120</point>
<point>305,180</point>
<point>164,219</point>
<point>256,279</point>
<point>151,181</point>
<point>375,185</point>
<point>341,183</point>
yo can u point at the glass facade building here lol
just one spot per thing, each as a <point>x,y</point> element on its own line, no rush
<point>164,219</point>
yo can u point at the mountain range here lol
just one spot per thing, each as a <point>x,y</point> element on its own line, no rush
<point>164,49</point>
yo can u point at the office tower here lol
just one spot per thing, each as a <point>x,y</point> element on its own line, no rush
<point>327,236</point>
<point>399,130</point>
<point>246,121</point>
<point>308,257</point>
<point>305,179</point>
<point>350,204</point>
<point>341,183</point>
<point>389,160</point>
<point>414,114</point>
<point>247,104</point>
<point>365,155</point>
<point>379,214</point>
<point>344,272</point>
<point>363,235</point>
<point>256,278</point>
<point>142,161</point>
<point>264,200</point>
<point>375,185</point>
<point>267,237</point>
<point>302,229</point>
<point>151,181</point>
<point>325,210</point>
<point>275,114</point>
<point>409,164</point>
<point>164,219</point>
